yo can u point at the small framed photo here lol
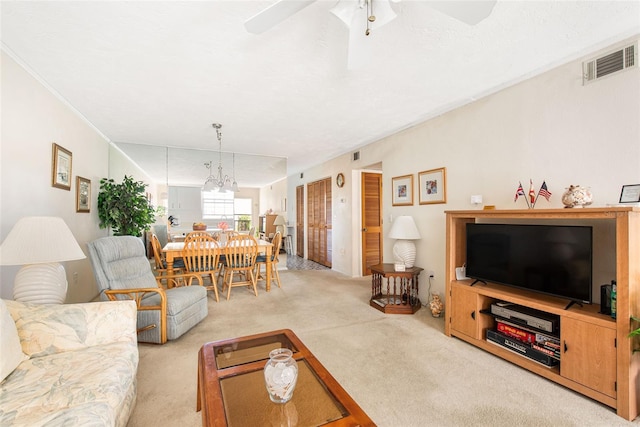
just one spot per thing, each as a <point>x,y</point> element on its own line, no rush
<point>83,194</point>
<point>630,193</point>
<point>402,187</point>
<point>61,168</point>
<point>433,186</point>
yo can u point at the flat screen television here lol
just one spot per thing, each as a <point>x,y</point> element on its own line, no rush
<point>551,259</point>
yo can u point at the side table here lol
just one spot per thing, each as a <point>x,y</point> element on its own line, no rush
<point>400,294</point>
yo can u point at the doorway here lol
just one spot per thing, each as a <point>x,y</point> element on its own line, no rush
<point>371,219</point>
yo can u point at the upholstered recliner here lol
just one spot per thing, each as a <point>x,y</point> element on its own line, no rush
<point>122,271</point>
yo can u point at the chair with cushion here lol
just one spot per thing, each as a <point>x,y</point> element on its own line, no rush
<point>122,271</point>
<point>262,260</point>
<point>161,263</point>
<point>240,257</point>
<point>201,255</point>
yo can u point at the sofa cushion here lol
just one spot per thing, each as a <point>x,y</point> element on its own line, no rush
<point>10,348</point>
<point>89,386</point>
<point>47,329</point>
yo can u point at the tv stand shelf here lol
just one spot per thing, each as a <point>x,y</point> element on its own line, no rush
<point>597,357</point>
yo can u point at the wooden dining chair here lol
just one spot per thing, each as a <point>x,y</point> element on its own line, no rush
<point>262,260</point>
<point>195,234</point>
<point>161,264</point>
<point>201,255</point>
<point>240,257</point>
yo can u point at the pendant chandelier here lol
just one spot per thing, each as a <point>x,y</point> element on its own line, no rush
<point>221,183</point>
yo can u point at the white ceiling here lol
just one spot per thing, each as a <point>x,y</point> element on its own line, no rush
<point>160,73</point>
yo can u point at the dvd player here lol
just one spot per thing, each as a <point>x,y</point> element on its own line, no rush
<point>527,316</point>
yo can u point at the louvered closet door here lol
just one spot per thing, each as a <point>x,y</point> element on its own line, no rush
<point>371,221</point>
<point>319,222</point>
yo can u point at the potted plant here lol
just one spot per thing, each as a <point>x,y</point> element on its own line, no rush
<point>124,207</point>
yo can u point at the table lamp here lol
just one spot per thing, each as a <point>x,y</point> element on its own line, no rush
<point>39,244</point>
<point>404,250</point>
<point>279,222</point>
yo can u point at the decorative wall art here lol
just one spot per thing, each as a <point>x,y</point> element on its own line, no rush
<point>61,168</point>
<point>402,187</point>
<point>433,186</point>
<point>630,193</point>
<point>83,194</point>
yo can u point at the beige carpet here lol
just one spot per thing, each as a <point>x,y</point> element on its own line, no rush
<point>401,369</point>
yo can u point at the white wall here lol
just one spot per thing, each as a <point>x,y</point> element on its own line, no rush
<point>33,117</point>
<point>550,127</point>
<point>274,197</point>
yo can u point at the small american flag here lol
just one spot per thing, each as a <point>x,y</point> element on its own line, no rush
<point>519,192</point>
<point>544,191</point>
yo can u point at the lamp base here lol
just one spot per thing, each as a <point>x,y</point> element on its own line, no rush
<point>41,284</point>
<point>404,251</point>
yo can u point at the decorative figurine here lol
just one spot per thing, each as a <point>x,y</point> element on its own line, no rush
<point>577,196</point>
<point>436,305</point>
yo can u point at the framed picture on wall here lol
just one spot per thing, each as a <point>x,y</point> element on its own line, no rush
<point>433,186</point>
<point>61,168</point>
<point>630,193</point>
<point>83,194</point>
<point>402,187</point>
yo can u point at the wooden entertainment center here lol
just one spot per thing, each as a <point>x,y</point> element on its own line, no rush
<point>597,357</point>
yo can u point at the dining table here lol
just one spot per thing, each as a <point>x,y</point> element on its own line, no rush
<point>173,250</point>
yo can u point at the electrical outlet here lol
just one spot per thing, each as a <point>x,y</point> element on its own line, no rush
<point>75,278</point>
<point>432,274</point>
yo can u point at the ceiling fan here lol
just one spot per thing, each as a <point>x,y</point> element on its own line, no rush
<point>362,16</point>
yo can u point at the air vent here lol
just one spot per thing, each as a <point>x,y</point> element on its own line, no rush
<point>355,156</point>
<point>610,63</point>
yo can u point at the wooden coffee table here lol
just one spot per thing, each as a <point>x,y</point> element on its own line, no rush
<point>231,389</point>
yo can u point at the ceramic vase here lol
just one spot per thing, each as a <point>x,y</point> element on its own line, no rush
<point>577,196</point>
<point>436,306</point>
<point>281,375</point>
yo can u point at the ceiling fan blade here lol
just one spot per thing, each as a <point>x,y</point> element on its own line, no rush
<point>470,12</point>
<point>346,10</point>
<point>274,14</point>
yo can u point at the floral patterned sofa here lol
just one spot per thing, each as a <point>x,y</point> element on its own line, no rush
<point>75,364</point>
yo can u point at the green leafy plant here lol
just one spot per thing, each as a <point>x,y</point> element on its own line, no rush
<point>124,207</point>
<point>635,332</point>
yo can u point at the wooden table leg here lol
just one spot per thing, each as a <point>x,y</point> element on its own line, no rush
<point>268,268</point>
<point>169,260</point>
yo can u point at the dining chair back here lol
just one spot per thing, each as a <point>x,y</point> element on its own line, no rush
<point>194,234</point>
<point>201,255</point>
<point>261,260</point>
<point>161,264</point>
<point>240,257</point>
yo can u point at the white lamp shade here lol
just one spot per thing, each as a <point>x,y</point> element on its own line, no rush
<point>404,228</point>
<point>279,220</point>
<point>37,240</point>
<point>39,244</point>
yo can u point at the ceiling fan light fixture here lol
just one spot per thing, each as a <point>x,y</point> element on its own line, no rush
<point>350,10</point>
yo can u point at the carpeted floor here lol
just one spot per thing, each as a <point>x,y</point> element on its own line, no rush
<point>401,369</point>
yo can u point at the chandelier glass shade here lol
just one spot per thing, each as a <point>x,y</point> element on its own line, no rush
<point>221,183</point>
